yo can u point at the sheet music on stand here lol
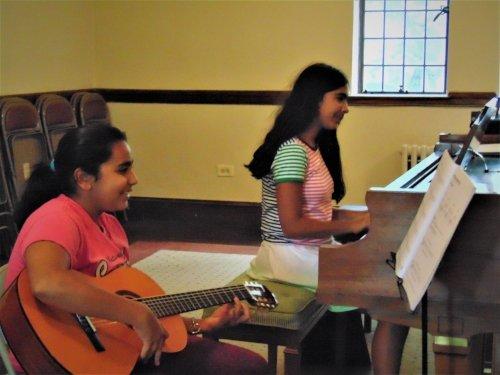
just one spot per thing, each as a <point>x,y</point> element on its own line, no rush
<point>431,231</point>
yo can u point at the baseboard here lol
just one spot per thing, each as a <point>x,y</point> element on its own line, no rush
<point>163,219</point>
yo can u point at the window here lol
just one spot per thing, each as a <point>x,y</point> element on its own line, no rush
<point>400,46</point>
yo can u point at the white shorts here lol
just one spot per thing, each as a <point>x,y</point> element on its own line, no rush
<point>286,262</point>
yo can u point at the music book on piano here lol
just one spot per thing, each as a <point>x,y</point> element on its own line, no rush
<point>432,228</point>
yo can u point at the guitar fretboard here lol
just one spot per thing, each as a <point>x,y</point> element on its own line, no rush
<point>182,302</point>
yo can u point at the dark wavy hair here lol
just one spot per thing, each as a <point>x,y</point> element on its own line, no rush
<point>86,148</point>
<point>298,112</point>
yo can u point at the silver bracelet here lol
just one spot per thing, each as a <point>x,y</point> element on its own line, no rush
<point>194,327</point>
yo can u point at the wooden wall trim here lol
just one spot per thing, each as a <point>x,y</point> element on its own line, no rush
<point>164,219</point>
<point>194,96</point>
<point>252,97</point>
<point>242,97</point>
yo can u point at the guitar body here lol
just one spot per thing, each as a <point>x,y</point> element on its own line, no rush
<point>49,340</point>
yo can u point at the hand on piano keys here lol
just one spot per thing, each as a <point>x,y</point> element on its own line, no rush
<point>352,213</point>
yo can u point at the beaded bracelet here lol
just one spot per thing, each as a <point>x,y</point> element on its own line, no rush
<point>194,327</point>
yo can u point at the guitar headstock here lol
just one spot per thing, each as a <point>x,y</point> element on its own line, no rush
<point>260,296</point>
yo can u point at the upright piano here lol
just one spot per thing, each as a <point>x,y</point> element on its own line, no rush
<point>463,297</point>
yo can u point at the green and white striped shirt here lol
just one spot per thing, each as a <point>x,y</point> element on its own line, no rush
<point>297,162</point>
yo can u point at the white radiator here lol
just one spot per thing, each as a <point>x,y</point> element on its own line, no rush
<point>413,154</point>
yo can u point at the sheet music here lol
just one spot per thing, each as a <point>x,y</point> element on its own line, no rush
<point>430,232</point>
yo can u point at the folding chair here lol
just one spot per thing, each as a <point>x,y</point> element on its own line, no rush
<point>23,142</point>
<point>56,116</point>
<point>8,230</point>
<point>4,350</point>
<point>90,108</point>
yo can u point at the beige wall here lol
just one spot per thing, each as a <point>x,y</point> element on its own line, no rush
<point>229,45</point>
<point>46,46</point>
<point>474,45</point>
<point>218,45</point>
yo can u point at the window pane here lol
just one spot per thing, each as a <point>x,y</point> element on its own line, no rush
<point>373,52</point>
<point>372,78</point>
<point>436,4</point>
<point>374,4</point>
<point>395,5</point>
<point>414,78</point>
<point>402,47</point>
<point>436,28</point>
<point>415,24</point>
<point>374,24</point>
<point>434,79</point>
<point>435,53</point>
<point>393,78</point>
<point>414,52</point>
<point>393,52</point>
<point>394,24</point>
<point>415,5</point>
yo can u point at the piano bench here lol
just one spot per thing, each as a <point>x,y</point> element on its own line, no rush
<point>297,314</point>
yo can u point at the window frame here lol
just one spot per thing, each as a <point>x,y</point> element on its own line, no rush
<point>357,59</point>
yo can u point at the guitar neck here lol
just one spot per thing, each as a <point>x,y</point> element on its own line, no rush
<point>175,304</point>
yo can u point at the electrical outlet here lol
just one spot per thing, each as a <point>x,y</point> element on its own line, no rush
<point>225,170</point>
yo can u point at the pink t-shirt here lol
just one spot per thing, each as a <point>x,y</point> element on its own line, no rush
<point>94,248</point>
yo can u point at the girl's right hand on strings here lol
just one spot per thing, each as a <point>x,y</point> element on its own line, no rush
<point>152,334</point>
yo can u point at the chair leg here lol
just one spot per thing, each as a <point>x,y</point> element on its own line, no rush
<point>272,358</point>
<point>293,357</point>
<point>4,353</point>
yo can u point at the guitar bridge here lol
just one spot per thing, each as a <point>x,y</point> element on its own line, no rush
<point>90,331</point>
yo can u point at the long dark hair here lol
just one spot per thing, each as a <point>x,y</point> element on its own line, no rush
<point>299,111</point>
<point>86,148</point>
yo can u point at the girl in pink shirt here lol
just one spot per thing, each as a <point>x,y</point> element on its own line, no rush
<point>66,231</point>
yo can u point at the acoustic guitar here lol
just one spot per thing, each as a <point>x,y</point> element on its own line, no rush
<point>45,339</point>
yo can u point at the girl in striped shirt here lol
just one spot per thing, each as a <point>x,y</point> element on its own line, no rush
<point>301,172</point>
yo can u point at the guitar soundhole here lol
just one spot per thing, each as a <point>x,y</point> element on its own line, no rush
<point>128,294</point>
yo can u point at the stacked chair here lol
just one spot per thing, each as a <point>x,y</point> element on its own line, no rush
<point>23,142</point>
<point>56,116</point>
<point>4,349</point>
<point>90,108</point>
<point>8,230</point>
<point>23,145</point>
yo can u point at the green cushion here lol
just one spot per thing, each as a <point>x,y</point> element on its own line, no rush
<point>294,304</point>
<point>291,298</point>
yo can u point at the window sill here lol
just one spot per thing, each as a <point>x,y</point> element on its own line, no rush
<point>452,99</point>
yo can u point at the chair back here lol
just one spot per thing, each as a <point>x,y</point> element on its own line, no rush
<point>8,234</point>
<point>8,229</point>
<point>90,109</point>
<point>5,196</point>
<point>23,142</point>
<point>4,350</point>
<point>56,116</point>
<point>3,274</point>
